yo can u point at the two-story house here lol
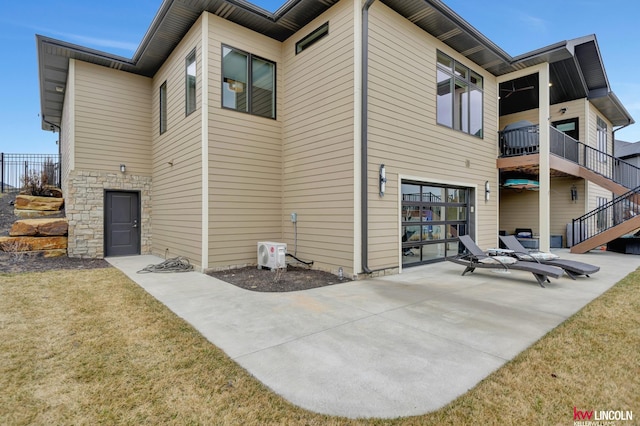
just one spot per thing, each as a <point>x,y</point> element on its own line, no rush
<point>375,122</point>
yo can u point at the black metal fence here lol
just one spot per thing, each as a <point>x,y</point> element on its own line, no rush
<point>15,168</point>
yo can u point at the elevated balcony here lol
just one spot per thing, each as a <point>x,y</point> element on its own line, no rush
<point>519,151</point>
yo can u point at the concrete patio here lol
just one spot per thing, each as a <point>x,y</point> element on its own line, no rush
<point>386,347</point>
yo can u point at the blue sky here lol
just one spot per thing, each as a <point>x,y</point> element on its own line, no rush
<point>117,27</point>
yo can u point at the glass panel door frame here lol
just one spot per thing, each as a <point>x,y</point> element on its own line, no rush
<point>432,217</point>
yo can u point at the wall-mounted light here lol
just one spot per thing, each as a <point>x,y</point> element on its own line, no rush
<point>383,180</point>
<point>123,168</point>
<point>574,193</point>
<point>563,110</point>
<point>487,191</point>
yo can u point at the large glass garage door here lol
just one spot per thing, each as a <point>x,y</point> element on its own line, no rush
<point>432,218</point>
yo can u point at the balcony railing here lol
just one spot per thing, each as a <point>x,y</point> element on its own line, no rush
<point>526,140</point>
<point>15,168</point>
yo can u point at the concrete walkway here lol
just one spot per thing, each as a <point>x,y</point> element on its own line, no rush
<point>386,347</point>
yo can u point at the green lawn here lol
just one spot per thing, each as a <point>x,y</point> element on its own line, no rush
<point>88,347</point>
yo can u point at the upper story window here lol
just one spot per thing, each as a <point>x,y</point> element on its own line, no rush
<point>163,108</point>
<point>190,65</point>
<point>459,96</point>
<point>602,138</point>
<point>248,83</point>
<point>309,40</point>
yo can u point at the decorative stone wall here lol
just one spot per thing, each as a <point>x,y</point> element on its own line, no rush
<point>84,208</point>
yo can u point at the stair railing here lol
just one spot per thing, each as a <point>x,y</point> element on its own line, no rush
<point>608,215</point>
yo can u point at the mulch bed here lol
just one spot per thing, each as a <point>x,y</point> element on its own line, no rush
<point>293,278</point>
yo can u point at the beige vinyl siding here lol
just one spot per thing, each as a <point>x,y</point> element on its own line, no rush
<point>112,120</point>
<point>67,133</point>
<point>519,209</point>
<point>245,165</point>
<point>404,136</point>
<point>318,142</point>
<point>177,166</point>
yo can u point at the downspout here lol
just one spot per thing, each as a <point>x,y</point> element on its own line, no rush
<point>364,202</point>
<point>613,135</point>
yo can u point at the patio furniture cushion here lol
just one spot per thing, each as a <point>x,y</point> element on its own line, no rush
<point>504,260</point>
<point>543,256</point>
<point>573,268</point>
<point>472,260</point>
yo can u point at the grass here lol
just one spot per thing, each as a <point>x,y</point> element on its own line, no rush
<point>87,347</point>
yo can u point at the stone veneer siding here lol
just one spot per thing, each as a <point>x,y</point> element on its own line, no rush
<point>84,208</point>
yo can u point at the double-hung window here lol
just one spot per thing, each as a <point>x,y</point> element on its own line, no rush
<point>459,96</point>
<point>248,83</point>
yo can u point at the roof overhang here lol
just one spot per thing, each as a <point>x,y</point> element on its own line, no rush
<point>576,66</point>
<point>169,26</point>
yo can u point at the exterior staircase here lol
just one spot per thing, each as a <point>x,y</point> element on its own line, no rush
<point>606,223</point>
<point>617,217</point>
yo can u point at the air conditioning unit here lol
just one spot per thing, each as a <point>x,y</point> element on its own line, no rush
<point>271,255</point>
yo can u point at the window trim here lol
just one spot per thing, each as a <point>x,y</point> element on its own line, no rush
<point>574,120</point>
<point>312,38</point>
<point>163,107</point>
<point>188,98</point>
<point>467,80</point>
<point>249,84</point>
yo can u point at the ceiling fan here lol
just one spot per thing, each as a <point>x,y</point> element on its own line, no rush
<point>514,90</point>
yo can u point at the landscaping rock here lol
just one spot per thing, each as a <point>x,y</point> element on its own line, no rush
<point>40,227</point>
<point>20,244</point>
<point>32,214</point>
<point>32,202</point>
<point>50,253</point>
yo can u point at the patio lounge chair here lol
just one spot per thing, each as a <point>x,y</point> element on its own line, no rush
<point>476,258</point>
<point>573,268</point>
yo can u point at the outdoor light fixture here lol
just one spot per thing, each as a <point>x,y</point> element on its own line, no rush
<point>487,191</point>
<point>563,110</point>
<point>574,193</point>
<point>123,168</point>
<point>383,180</point>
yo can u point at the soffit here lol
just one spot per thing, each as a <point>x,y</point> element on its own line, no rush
<point>171,23</point>
<point>576,68</point>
